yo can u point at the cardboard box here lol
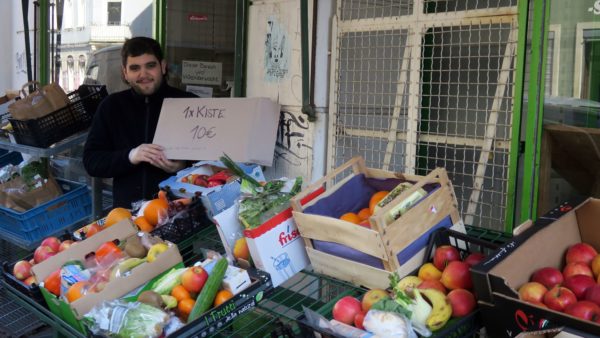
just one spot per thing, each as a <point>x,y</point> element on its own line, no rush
<point>205,128</point>
<point>366,256</point>
<point>141,274</point>
<point>215,199</point>
<point>497,279</point>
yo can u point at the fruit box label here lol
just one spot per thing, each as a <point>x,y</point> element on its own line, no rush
<point>277,247</point>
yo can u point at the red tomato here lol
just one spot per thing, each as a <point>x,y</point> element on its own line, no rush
<point>108,252</point>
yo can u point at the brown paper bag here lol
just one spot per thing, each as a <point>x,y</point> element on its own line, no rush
<point>40,103</point>
<point>13,194</point>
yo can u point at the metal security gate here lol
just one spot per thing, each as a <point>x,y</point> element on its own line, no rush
<point>429,83</point>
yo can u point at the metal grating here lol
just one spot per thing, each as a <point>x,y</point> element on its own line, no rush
<point>16,321</point>
<point>421,84</point>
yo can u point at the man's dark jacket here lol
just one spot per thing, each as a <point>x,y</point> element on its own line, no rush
<point>123,121</point>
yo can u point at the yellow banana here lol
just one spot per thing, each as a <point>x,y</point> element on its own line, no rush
<point>442,310</point>
<point>122,268</point>
<point>408,283</point>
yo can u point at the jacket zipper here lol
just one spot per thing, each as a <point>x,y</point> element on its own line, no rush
<point>144,167</point>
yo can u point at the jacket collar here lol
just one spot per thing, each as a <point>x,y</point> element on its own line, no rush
<point>159,94</point>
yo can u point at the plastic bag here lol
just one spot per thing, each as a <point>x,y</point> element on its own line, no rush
<point>121,319</point>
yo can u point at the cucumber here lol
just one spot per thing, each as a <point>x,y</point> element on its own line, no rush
<point>209,291</point>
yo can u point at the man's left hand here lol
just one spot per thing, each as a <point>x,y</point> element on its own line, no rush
<point>168,165</point>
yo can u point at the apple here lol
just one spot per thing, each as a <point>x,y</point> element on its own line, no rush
<point>474,258</point>
<point>532,292</point>
<point>29,281</point>
<point>584,309</point>
<point>581,252</point>
<point>456,275</point>
<point>593,294</point>
<point>365,224</point>
<point>345,309</point>
<point>42,253</point>
<point>373,296</point>
<point>559,297</point>
<point>51,242</point>
<point>578,284</point>
<point>433,284</point>
<point>22,270</point>
<point>445,254</point>
<point>65,245</point>
<point>194,278</point>
<point>359,319</point>
<point>548,276</point>
<point>577,268</point>
<point>462,302</point>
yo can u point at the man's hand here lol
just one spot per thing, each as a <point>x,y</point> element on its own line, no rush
<point>153,154</point>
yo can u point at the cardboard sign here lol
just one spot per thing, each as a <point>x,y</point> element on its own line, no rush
<point>205,128</point>
<point>200,72</point>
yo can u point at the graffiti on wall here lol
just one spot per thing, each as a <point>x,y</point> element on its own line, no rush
<point>21,63</point>
<point>291,144</point>
<point>277,51</point>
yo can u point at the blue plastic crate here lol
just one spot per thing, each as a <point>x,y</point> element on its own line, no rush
<point>13,157</point>
<point>29,227</point>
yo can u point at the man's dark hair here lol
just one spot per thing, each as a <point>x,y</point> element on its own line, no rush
<point>138,46</point>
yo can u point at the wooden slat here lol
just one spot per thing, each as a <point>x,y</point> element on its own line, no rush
<point>337,231</point>
<point>353,272</point>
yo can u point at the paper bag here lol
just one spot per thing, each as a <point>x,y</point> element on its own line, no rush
<point>13,195</point>
<point>40,103</point>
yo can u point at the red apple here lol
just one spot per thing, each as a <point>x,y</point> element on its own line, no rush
<point>456,275</point>
<point>445,254</point>
<point>584,309</point>
<point>29,281</point>
<point>433,284</point>
<point>577,268</point>
<point>52,242</point>
<point>42,253</point>
<point>532,292</point>
<point>593,294</point>
<point>558,298</point>
<point>548,276</point>
<point>65,245</point>
<point>578,284</point>
<point>22,270</point>
<point>373,296</point>
<point>346,309</point>
<point>580,252</point>
<point>462,301</point>
<point>474,258</point>
<point>359,319</point>
<point>194,278</point>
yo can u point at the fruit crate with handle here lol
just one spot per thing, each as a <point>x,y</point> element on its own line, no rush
<point>466,326</point>
<point>366,256</point>
<point>76,116</point>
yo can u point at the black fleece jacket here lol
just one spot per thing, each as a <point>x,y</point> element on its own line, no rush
<point>123,121</point>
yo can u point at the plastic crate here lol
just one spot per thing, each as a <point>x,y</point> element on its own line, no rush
<point>13,157</point>
<point>31,226</point>
<point>186,224</point>
<point>466,326</point>
<point>76,116</point>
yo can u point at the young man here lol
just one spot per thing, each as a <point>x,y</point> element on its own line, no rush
<point>119,143</point>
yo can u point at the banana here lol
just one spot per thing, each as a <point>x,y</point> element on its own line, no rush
<point>442,310</point>
<point>408,283</point>
<point>123,267</point>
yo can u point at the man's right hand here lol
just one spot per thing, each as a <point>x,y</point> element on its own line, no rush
<point>150,153</point>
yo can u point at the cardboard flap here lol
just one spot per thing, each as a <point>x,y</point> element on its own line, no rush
<point>120,231</point>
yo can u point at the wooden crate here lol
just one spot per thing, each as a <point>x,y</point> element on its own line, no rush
<point>383,243</point>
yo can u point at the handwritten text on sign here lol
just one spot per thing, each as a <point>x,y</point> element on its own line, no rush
<point>205,128</point>
<point>200,72</point>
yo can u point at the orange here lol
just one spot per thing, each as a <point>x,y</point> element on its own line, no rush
<point>77,291</point>
<point>116,215</point>
<point>240,249</point>
<point>180,293</point>
<point>143,224</point>
<point>350,217</point>
<point>221,297</point>
<point>378,196</point>
<point>156,210</point>
<point>364,214</point>
<point>185,306</point>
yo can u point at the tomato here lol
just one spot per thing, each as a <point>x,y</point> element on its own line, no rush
<point>108,252</point>
<point>52,283</point>
<point>185,306</point>
<point>93,229</point>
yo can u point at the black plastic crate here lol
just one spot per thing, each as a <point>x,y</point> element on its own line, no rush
<point>466,326</point>
<point>186,224</point>
<point>62,123</point>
